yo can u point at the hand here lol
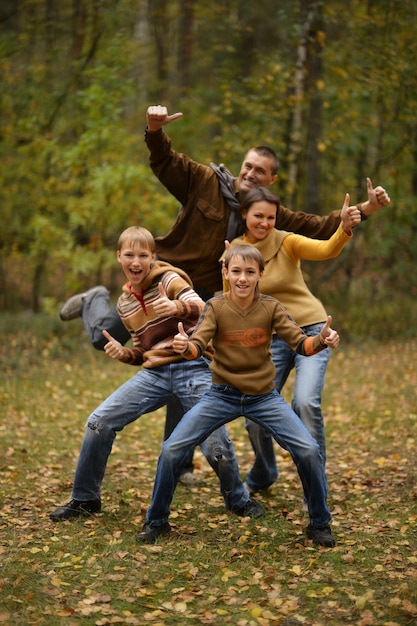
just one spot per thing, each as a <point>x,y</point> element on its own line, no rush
<point>377,198</point>
<point>328,336</point>
<point>350,216</point>
<point>163,306</point>
<point>114,348</point>
<point>157,116</point>
<point>180,343</point>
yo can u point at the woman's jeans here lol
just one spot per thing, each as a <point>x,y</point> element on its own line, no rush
<point>147,391</point>
<point>98,315</point>
<point>309,381</point>
<point>222,404</point>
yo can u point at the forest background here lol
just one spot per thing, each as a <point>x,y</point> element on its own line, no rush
<point>330,85</point>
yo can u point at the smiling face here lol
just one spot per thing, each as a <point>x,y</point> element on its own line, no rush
<point>256,171</point>
<point>243,276</point>
<point>260,218</point>
<point>136,260</point>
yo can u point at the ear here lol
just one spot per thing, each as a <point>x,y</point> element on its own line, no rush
<point>274,178</point>
<point>225,272</point>
<point>118,256</point>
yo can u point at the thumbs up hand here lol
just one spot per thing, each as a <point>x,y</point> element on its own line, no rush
<point>350,216</point>
<point>113,348</point>
<point>163,306</point>
<point>180,343</point>
<point>328,336</point>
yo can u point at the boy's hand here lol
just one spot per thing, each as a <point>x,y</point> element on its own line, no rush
<point>163,306</point>
<point>350,216</point>
<point>157,116</point>
<point>180,343</point>
<point>114,348</point>
<point>328,336</point>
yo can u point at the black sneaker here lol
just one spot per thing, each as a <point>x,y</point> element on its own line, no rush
<point>75,508</point>
<point>321,536</point>
<point>149,534</point>
<point>252,508</point>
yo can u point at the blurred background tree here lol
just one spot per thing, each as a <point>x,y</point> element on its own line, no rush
<point>331,86</point>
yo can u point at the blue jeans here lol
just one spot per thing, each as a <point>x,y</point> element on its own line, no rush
<point>146,391</point>
<point>98,315</point>
<point>309,381</point>
<point>222,404</point>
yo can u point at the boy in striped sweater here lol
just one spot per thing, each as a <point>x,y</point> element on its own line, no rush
<point>156,297</point>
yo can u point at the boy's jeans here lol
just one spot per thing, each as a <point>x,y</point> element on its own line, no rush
<point>147,391</point>
<point>222,404</point>
<point>309,381</point>
<point>98,315</point>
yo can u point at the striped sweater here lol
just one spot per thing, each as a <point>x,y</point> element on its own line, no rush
<point>152,336</point>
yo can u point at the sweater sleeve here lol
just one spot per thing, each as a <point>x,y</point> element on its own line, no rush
<point>203,333</point>
<point>188,302</point>
<point>300,247</point>
<point>287,330</point>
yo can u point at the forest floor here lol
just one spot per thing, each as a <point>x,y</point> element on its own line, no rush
<point>215,568</point>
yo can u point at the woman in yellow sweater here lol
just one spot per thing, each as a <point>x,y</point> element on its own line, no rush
<point>283,279</point>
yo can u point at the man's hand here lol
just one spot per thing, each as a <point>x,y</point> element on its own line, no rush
<point>328,336</point>
<point>180,343</point>
<point>350,216</point>
<point>163,306</point>
<point>377,198</point>
<point>114,348</point>
<point>157,116</point>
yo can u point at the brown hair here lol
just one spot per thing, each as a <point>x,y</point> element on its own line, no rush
<point>134,235</point>
<point>248,253</point>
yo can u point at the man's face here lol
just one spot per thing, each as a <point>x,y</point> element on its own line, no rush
<point>255,172</point>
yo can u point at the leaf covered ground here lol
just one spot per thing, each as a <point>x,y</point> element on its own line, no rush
<point>216,568</point>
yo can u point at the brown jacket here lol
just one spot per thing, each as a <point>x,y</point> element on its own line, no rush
<point>196,240</point>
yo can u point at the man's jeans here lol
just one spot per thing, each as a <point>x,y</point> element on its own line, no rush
<point>222,404</point>
<point>309,381</point>
<point>98,315</point>
<point>147,391</point>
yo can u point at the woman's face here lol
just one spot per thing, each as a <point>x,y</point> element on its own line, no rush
<point>260,218</point>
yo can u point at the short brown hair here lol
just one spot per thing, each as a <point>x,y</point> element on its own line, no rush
<point>136,234</point>
<point>248,253</point>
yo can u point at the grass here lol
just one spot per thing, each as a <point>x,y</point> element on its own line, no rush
<point>217,568</point>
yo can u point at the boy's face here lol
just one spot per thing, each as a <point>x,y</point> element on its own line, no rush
<point>243,276</point>
<point>136,261</point>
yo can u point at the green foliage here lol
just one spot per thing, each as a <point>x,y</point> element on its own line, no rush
<point>75,88</point>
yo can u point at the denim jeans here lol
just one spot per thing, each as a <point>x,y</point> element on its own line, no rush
<point>146,391</point>
<point>309,381</point>
<point>222,404</point>
<point>98,315</point>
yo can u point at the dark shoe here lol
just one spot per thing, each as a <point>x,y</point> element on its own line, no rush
<point>252,508</point>
<point>149,534</point>
<point>75,508</point>
<point>73,306</point>
<point>321,536</point>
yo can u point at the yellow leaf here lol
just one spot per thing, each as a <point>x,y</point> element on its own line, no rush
<point>256,611</point>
